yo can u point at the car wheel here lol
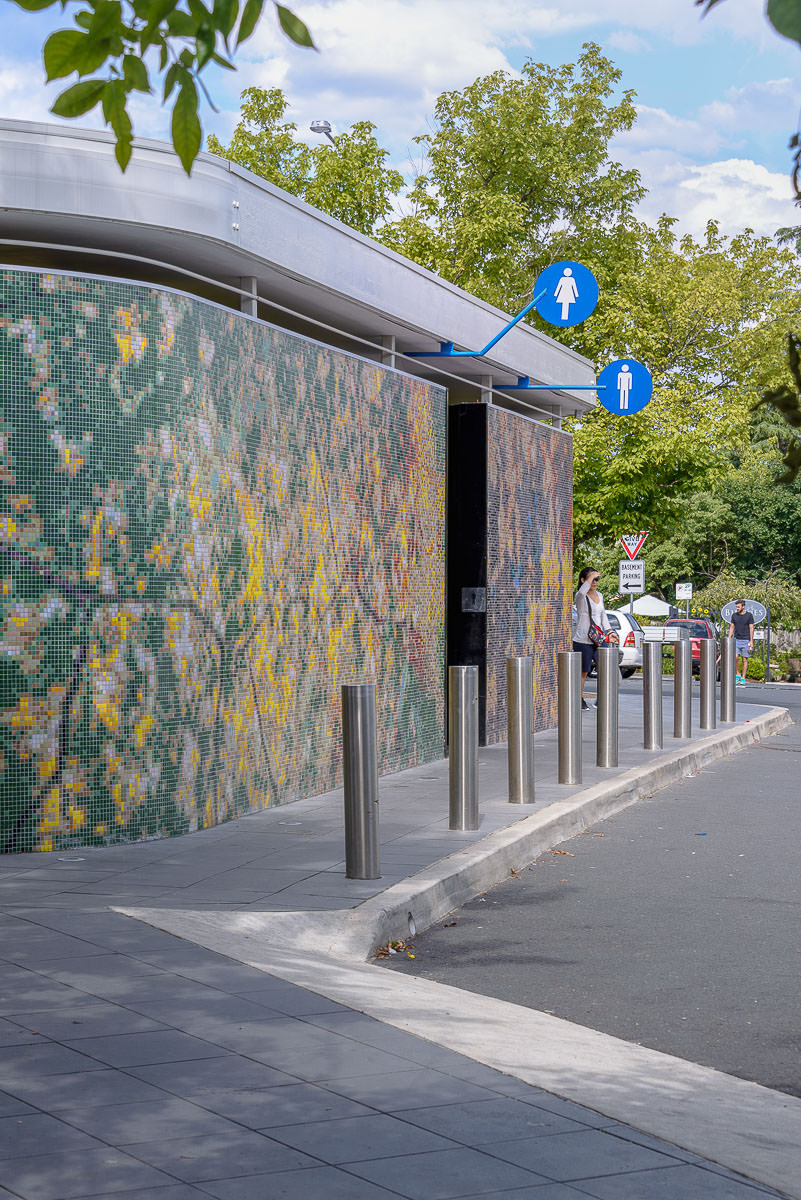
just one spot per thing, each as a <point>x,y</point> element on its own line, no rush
<point>627,672</point>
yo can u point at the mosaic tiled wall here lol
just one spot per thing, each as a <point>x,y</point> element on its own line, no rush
<point>206,525</point>
<point>529,559</point>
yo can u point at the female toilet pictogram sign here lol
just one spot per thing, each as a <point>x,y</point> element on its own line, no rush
<point>569,293</point>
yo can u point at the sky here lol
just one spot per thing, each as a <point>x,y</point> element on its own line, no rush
<point>717,96</point>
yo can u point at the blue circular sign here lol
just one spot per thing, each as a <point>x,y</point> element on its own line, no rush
<point>571,293</point>
<point>625,386</point>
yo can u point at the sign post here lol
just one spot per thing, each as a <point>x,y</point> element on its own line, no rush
<point>684,591</point>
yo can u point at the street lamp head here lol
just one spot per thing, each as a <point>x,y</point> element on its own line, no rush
<point>322,126</point>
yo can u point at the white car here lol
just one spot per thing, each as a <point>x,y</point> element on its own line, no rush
<point>630,635</point>
<point>629,631</point>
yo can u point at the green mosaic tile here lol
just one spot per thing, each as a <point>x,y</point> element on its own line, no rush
<point>206,526</point>
<point>529,559</point>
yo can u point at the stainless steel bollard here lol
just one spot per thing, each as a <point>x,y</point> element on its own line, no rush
<point>652,695</point>
<point>463,747</point>
<point>520,723</point>
<point>608,693</point>
<point>728,674</point>
<point>360,771</point>
<point>683,689</point>
<point>708,672</point>
<point>569,715</point>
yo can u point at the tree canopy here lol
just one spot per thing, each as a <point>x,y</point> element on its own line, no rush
<point>517,173</point>
<point>349,179</point>
<point>709,318</point>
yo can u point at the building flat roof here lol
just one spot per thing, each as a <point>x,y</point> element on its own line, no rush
<point>61,187</point>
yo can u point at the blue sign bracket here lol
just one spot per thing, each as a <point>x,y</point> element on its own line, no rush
<point>446,349</point>
<point>524,385</point>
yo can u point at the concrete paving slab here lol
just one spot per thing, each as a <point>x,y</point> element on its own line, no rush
<point>446,1174</point>
<point>319,1183</point>
<point>68,1175</point>
<point>321,1008</point>
<point>229,1155</point>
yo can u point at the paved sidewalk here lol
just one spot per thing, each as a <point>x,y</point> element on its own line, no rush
<point>138,1064</point>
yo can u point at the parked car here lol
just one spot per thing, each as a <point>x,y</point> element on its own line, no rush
<point>629,630</point>
<point>697,627</point>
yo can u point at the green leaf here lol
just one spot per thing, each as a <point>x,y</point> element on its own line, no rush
<point>60,52</point>
<point>122,152</point>
<point>93,52</point>
<point>224,15</point>
<point>79,98</point>
<point>186,131</point>
<point>293,27</point>
<point>181,24</point>
<point>206,41</point>
<point>35,5</point>
<point>83,19</point>
<point>136,73</point>
<point>170,80</point>
<point>107,18</point>
<point>115,99</point>
<point>785,17</point>
<point>199,11</point>
<point>157,11</point>
<point>250,16</point>
<point>223,62</point>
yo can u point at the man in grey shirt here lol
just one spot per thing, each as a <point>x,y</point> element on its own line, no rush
<point>741,629</point>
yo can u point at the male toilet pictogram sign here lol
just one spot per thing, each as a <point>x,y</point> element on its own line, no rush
<point>625,386</point>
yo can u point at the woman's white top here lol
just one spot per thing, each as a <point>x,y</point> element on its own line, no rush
<point>599,616</point>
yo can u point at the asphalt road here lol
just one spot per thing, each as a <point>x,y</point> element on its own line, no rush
<point>675,924</point>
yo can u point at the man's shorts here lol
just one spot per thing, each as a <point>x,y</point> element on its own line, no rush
<point>742,647</point>
<point>588,655</point>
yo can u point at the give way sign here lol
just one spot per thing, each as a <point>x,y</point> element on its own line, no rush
<point>633,543</point>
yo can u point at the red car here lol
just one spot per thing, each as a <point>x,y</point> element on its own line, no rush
<point>697,627</point>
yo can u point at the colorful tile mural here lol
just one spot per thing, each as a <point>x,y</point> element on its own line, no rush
<point>529,558</point>
<point>206,526</point>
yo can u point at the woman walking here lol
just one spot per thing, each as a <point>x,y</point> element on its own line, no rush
<point>589,608</point>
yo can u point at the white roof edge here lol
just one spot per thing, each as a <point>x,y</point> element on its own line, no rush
<point>321,262</point>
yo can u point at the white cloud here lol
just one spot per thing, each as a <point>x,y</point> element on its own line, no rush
<point>735,192</point>
<point>386,63</point>
<point>757,106</point>
<point>738,192</point>
<point>628,42</point>
<point>656,127</point>
<point>19,100</point>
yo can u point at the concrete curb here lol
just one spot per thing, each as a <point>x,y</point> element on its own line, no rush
<point>437,890</point>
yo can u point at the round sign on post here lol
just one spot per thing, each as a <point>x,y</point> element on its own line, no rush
<point>571,293</point>
<point>625,386</point>
<point>755,607</point>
